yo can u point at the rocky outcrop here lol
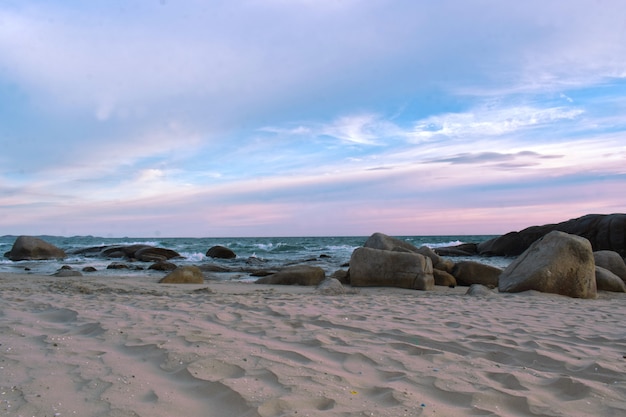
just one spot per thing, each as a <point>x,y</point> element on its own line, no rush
<point>389,268</point>
<point>221,252</point>
<point>444,278</point>
<point>603,231</point>
<point>32,248</point>
<point>295,275</point>
<point>139,252</point>
<point>612,261</point>
<point>608,281</point>
<point>558,263</point>
<point>468,273</point>
<point>184,275</point>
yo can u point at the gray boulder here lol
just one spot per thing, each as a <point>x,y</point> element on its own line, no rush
<point>384,268</point>
<point>184,275</point>
<point>331,286</point>
<point>558,263</point>
<point>608,281</point>
<point>32,248</point>
<point>383,242</point>
<point>152,254</point>
<point>468,273</point>
<point>221,252</point>
<point>295,275</point>
<point>612,261</point>
<point>478,290</point>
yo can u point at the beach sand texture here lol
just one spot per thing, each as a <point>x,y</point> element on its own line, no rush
<point>115,346</point>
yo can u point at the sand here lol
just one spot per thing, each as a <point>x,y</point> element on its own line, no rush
<point>115,346</point>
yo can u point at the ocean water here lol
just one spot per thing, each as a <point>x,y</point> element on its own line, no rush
<point>330,253</point>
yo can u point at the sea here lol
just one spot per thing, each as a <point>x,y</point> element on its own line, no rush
<point>331,253</point>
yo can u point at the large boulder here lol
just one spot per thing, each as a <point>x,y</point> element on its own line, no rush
<point>444,278</point>
<point>295,275</point>
<point>604,232</point>
<point>468,273</point>
<point>32,248</point>
<point>152,254</point>
<point>383,242</point>
<point>612,261</point>
<point>608,281</point>
<point>384,268</point>
<point>558,263</point>
<point>221,252</point>
<point>184,275</point>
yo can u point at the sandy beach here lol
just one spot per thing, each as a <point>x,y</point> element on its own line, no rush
<point>116,346</point>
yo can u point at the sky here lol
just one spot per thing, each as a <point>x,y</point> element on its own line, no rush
<point>225,118</point>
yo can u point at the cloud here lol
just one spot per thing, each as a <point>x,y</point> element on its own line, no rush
<point>491,121</point>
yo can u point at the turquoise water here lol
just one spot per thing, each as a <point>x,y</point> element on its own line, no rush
<point>266,252</point>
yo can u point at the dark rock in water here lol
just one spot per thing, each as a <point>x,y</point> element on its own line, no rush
<point>118,265</point>
<point>295,275</point>
<point>152,254</point>
<point>221,252</point>
<point>603,231</point>
<point>385,268</point>
<point>612,261</point>
<point>33,248</point>
<point>558,263</point>
<point>468,273</point>
<point>163,266</point>
<point>89,269</point>
<point>382,241</point>
<point>464,249</point>
<point>184,275</point>
<point>608,281</point>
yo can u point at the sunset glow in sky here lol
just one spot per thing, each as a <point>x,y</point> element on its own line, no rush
<point>299,117</point>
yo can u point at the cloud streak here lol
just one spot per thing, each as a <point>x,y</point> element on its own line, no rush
<point>264,118</point>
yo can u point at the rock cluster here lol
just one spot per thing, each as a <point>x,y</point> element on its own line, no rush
<point>603,231</point>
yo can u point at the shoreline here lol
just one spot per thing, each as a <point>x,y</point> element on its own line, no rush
<point>128,346</point>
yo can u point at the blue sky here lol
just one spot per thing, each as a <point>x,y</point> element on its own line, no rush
<point>301,117</point>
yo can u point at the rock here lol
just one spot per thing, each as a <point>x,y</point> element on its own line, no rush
<point>429,253</point>
<point>558,263</point>
<point>469,272</point>
<point>464,249</point>
<point>295,275</point>
<point>446,265</point>
<point>383,242</point>
<point>608,281</point>
<point>32,248</point>
<point>478,290</point>
<point>604,232</point>
<point>152,254</point>
<point>444,278</point>
<point>331,286</point>
<point>163,266</point>
<point>118,265</point>
<point>384,268</point>
<point>342,275</point>
<point>612,261</point>
<point>221,252</point>
<point>184,275</point>
<point>122,251</point>
<point>89,269</point>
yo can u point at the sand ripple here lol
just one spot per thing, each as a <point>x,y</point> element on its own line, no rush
<point>120,348</point>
